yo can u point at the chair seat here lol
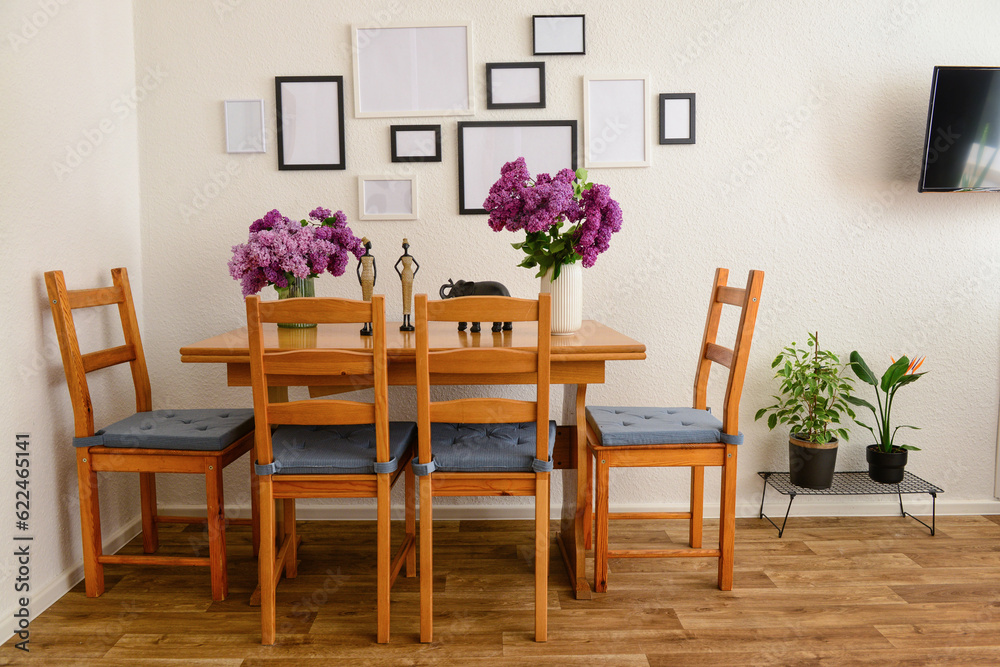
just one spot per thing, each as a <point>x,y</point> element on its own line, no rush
<point>486,447</point>
<point>622,427</point>
<point>336,450</point>
<point>191,430</point>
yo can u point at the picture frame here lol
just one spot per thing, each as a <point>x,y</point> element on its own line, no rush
<point>413,70</point>
<point>559,34</point>
<point>515,85</point>
<point>485,146</point>
<point>616,122</point>
<point>310,120</point>
<point>415,143</point>
<point>387,197</point>
<point>677,118</point>
<point>245,126</point>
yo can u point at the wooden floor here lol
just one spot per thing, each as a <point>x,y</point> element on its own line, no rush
<point>845,591</point>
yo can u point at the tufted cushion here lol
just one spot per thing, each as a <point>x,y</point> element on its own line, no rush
<point>336,450</point>
<point>194,430</point>
<point>486,447</point>
<point>656,426</point>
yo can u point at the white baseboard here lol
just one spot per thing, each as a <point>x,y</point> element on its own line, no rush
<point>61,584</point>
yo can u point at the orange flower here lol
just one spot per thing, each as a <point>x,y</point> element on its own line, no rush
<point>914,365</point>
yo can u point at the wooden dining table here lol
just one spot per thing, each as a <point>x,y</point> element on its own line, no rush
<point>578,359</point>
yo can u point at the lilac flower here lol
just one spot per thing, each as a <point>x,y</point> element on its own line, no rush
<point>279,249</point>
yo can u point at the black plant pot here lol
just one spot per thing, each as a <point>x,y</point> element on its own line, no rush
<point>811,465</point>
<point>886,468</point>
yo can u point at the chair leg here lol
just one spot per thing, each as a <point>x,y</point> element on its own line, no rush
<point>727,520</point>
<point>216,529</point>
<point>265,562</point>
<point>409,482</point>
<point>292,564</point>
<point>426,562</point>
<point>601,526</point>
<point>382,558</point>
<point>254,507</point>
<point>90,524</point>
<point>147,493</point>
<point>541,556</point>
<point>588,510</point>
<point>697,506</point>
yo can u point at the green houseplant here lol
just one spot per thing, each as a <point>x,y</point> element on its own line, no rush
<point>813,395</point>
<point>886,459</point>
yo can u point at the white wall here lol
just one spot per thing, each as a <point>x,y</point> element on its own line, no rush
<point>70,201</point>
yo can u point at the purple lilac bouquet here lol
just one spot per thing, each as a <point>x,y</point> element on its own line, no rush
<point>542,206</point>
<point>280,250</point>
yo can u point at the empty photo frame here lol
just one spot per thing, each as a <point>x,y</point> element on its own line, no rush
<point>413,71</point>
<point>616,122</point>
<point>415,143</point>
<point>515,85</point>
<point>310,122</point>
<point>676,118</point>
<point>484,147</point>
<point>387,198</point>
<point>562,35</point>
<point>244,126</point>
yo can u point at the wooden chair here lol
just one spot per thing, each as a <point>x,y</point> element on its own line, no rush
<point>327,448</point>
<point>657,437</point>
<point>151,441</point>
<point>484,446</point>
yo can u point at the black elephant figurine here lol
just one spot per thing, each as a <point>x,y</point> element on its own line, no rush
<point>476,288</point>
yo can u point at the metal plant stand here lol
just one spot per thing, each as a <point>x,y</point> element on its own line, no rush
<point>850,484</point>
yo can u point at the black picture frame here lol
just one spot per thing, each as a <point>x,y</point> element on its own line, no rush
<point>505,152</point>
<point>690,139</point>
<point>492,104</point>
<point>394,143</point>
<point>337,115</point>
<point>583,35</point>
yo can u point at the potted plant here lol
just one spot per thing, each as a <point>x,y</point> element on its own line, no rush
<point>813,394</point>
<point>886,459</point>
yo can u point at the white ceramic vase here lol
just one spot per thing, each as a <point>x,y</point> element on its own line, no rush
<point>567,298</point>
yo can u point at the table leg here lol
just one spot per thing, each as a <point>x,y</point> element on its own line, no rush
<point>576,504</point>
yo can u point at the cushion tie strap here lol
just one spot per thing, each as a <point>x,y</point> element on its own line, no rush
<point>538,465</point>
<point>386,466</point>
<point>423,469</point>
<point>728,439</point>
<point>267,468</point>
<point>95,440</point>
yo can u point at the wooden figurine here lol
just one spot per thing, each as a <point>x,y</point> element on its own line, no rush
<point>406,275</point>
<point>367,275</point>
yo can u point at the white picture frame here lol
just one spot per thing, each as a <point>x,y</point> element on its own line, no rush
<point>310,120</point>
<point>244,126</point>
<point>387,197</point>
<point>484,147</point>
<point>413,70</point>
<point>616,122</point>
<point>559,35</point>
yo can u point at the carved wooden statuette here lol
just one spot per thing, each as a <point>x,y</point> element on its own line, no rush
<point>367,275</point>
<point>406,275</point>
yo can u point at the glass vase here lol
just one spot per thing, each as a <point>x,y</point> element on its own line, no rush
<point>297,287</point>
<point>567,298</point>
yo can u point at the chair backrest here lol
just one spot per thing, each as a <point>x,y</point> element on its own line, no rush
<point>297,367</point>
<point>747,300</point>
<point>516,365</point>
<point>76,364</point>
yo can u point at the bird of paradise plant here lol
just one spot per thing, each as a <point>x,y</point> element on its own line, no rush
<point>902,372</point>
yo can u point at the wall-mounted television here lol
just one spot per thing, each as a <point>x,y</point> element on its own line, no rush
<point>963,131</point>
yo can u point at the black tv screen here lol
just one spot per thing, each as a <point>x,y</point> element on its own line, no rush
<point>963,131</point>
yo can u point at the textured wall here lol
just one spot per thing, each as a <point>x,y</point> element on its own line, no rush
<point>810,125</point>
<point>70,201</point>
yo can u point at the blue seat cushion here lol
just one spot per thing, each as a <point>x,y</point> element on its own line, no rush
<point>336,450</point>
<point>656,426</point>
<point>486,447</point>
<point>194,430</point>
